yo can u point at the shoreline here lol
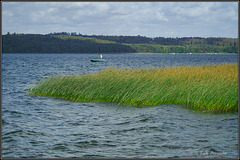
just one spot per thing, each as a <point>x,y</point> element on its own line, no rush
<point>134,53</point>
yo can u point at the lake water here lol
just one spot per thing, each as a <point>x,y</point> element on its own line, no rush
<point>44,127</point>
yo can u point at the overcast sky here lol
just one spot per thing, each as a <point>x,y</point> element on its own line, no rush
<point>151,19</point>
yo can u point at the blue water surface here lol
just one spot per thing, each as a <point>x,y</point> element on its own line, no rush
<point>45,127</point>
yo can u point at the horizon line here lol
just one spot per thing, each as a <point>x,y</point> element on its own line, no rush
<point>79,34</point>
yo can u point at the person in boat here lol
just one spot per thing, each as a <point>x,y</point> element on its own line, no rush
<point>101,55</point>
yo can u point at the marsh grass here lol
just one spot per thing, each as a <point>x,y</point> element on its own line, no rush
<point>209,87</point>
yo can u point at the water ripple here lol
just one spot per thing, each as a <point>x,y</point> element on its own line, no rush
<point>44,127</point>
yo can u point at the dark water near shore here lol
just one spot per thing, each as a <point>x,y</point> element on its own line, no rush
<point>44,127</point>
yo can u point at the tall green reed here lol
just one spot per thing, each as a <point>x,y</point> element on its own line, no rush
<point>207,87</point>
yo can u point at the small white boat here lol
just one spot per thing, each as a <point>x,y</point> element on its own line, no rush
<point>98,60</point>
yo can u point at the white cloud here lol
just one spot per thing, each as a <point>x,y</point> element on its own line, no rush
<point>193,9</point>
<point>123,18</point>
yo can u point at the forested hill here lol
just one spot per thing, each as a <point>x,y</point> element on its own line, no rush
<point>31,43</point>
<point>77,43</point>
<point>169,41</point>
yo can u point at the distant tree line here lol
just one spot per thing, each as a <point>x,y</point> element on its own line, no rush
<point>171,41</point>
<point>145,48</point>
<point>35,43</point>
<point>65,42</point>
<point>161,40</point>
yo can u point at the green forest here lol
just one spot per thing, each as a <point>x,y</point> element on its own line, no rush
<point>77,43</point>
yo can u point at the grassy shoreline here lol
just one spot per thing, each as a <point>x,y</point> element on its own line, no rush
<point>209,87</point>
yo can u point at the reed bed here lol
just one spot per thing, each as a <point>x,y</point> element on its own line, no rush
<point>209,87</point>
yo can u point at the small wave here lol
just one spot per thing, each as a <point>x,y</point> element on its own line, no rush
<point>129,130</point>
<point>146,128</point>
<point>213,150</point>
<point>202,140</point>
<point>84,144</point>
<point>210,149</point>
<point>109,145</point>
<point>174,157</point>
<point>7,139</point>
<point>123,123</point>
<point>93,156</point>
<point>4,122</point>
<point>30,132</point>
<point>171,146</point>
<point>76,124</point>
<point>12,112</point>
<point>144,120</point>
<point>59,147</point>
<point>14,132</point>
<point>230,119</point>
